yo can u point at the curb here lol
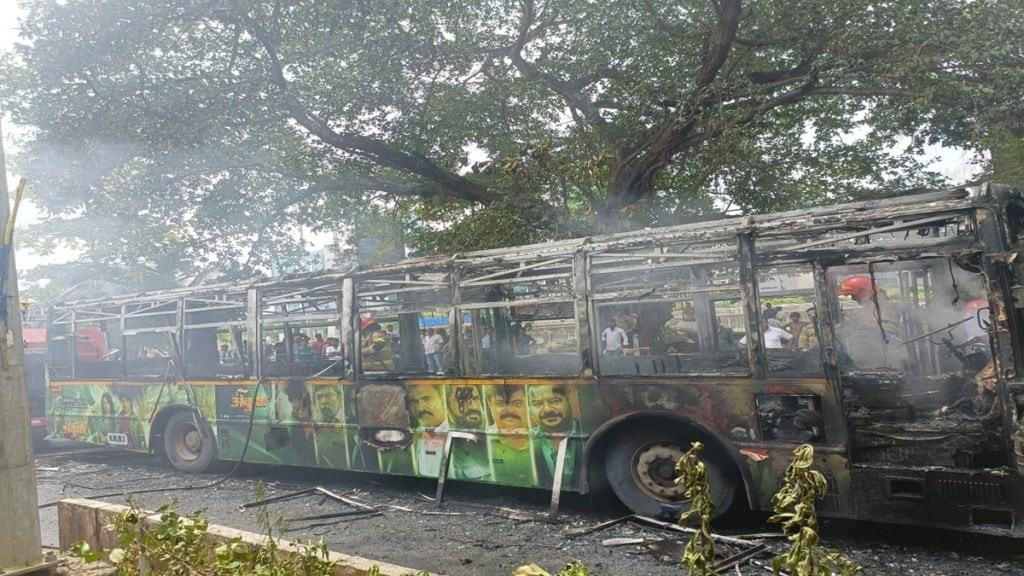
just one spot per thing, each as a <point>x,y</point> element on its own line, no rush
<point>81,519</point>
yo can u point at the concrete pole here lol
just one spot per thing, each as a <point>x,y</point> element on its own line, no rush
<point>21,545</point>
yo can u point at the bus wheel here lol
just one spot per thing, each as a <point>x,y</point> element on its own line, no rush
<point>188,442</point>
<point>640,467</point>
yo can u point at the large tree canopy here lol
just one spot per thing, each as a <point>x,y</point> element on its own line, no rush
<point>208,131</point>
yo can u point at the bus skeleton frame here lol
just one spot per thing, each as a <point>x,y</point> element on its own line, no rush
<point>891,442</point>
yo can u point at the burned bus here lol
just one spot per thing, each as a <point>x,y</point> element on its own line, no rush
<point>885,333</point>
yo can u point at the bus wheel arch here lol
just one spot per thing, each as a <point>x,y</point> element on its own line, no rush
<point>183,437</point>
<point>635,457</point>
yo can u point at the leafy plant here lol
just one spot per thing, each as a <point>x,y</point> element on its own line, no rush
<point>699,554</point>
<point>575,569</point>
<point>177,546</point>
<point>795,508</point>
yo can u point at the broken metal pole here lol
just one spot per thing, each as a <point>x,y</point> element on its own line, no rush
<point>687,530</point>
<point>596,527</point>
<point>288,496</point>
<point>556,484</point>
<point>446,457</point>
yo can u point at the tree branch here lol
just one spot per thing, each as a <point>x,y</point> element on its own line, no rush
<point>449,184</point>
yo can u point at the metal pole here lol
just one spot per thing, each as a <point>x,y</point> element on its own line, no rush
<point>21,545</point>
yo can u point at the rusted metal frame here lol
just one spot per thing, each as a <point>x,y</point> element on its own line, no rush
<point>322,304</point>
<point>694,251</point>
<point>275,295</point>
<point>999,277</point>
<point>870,253</point>
<point>348,315</point>
<point>153,330</point>
<point>253,305</point>
<point>151,307</point>
<point>703,311</point>
<point>364,294</point>
<point>750,298</point>
<point>223,302</point>
<point>827,307</point>
<point>455,319</point>
<point>412,298</point>
<point>306,319</point>
<point>123,360</point>
<point>903,225</point>
<point>584,338</point>
<point>400,267</point>
<point>665,266</point>
<point>784,248</point>
<point>226,323</point>
<point>165,295</point>
<point>406,282</point>
<point>60,317</point>
<point>179,342</point>
<point>382,289</point>
<point>301,295</point>
<point>561,262</point>
<point>665,295</point>
<point>505,255</point>
<point>854,224</point>
<point>908,327</point>
<point>72,343</point>
<point>91,316</point>
<point>655,247</point>
<point>566,274</point>
<point>463,355</point>
<point>513,303</point>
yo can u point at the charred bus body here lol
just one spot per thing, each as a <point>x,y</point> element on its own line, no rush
<point>884,333</point>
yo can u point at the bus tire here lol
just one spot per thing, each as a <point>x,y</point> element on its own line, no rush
<point>640,467</point>
<point>188,442</point>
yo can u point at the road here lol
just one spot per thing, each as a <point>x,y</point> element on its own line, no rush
<point>478,529</point>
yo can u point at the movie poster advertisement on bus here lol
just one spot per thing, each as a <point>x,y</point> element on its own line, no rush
<point>515,431</point>
<point>117,413</point>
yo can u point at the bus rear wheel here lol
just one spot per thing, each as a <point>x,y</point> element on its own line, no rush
<point>188,442</point>
<point>640,467</point>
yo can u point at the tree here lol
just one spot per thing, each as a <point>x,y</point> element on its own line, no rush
<point>226,124</point>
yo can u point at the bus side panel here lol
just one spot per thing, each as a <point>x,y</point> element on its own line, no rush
<point>761,422</point>
<point>117,413</point>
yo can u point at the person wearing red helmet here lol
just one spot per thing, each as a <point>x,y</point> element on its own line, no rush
<point>975,305</point>
<point>861,288</point>
<point>976,320</point>
<point>870,333</point>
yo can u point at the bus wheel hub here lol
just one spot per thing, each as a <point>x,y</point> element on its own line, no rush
<point>193,440</point>
<point>656,471</point>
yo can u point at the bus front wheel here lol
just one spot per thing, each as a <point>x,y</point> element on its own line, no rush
<point>188,442</point>
<point>640,467</point>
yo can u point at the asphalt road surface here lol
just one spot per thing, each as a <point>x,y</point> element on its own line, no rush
<point>478,529</point>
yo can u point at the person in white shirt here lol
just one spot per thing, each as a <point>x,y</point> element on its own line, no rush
<point>614,339</point>
<point>773,337</point>
<point>332,351</point>
<point>432,345</point>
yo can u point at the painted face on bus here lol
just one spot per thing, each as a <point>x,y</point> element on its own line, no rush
<point>107,404</point>
<point>327,404</point>
<point>126,406</point>
<point>549,408</point>
<point>508,408</point>
<point>465,408</point>
<point>426,406</point>
<point>302,408</point>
